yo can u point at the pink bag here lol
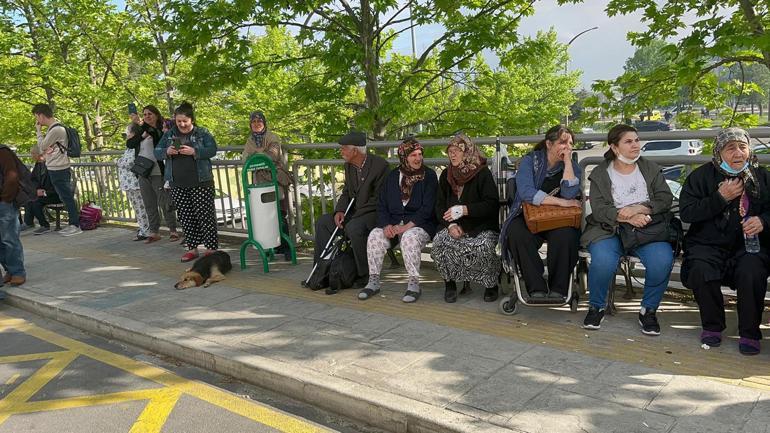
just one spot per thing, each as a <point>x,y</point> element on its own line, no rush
<point>90,216</point>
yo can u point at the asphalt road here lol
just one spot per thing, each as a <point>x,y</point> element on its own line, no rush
<point>54,378</point>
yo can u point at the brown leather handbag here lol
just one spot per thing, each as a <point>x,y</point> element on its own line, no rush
<point>548,217</point>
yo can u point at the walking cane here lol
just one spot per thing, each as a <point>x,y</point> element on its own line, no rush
<point>328,244</point>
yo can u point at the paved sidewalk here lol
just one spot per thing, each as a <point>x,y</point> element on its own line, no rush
<point>426,367</point>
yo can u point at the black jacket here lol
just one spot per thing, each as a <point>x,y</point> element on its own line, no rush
<point>41,179</point>
<point>136,141</point>
<point>715,232</point>
<point>366,191</point>
<point>481,197</point>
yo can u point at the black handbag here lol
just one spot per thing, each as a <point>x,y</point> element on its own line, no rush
<point>663,228</point>
<point>142,166</point>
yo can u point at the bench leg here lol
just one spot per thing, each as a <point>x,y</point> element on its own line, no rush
<point>58,219</point>
<point>626,266</point>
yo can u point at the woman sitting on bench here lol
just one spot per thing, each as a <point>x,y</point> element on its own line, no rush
<point>726,203</point>
<point>405,216</point>
<point>627,193</point>
<point>466,206</point>
<point>548,168</point>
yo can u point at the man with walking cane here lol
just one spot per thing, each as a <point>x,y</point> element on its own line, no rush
<point>364,174</point>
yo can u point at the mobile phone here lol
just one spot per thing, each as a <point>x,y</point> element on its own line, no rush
<point>177,142</point>
<point>132,108</point>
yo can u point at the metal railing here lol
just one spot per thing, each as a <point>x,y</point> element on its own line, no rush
<point>317,182</point>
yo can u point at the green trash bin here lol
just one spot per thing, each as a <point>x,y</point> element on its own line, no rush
<point>263,212</point>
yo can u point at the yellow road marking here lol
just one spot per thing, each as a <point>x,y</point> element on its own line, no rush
<point>86,400</point>
<point>30,357</point>
<point>156,412</point>
<point>12,379</point>
<point>34,383</point>
<point>161,401</point>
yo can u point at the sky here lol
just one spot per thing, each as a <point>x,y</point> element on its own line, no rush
<point>600,53</point>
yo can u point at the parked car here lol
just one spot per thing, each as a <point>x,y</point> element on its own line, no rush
<point>585,145</point>
<point>228,209</point>
<point>761,149</point>
<point>672,148</point>
<point>653,125</point>
<point>328,192</point>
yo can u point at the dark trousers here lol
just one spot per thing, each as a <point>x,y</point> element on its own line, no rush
<point>357,230</point>
<point>34,210</point>
<point>197,214</point>
<point>62,183</point>
<point>561,260</point>
<point>749,280</point>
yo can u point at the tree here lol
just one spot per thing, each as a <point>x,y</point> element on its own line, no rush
<point>353,43</point>
<point>714,34</point>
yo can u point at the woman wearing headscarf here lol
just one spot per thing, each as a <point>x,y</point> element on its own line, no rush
<point>546,176</point>
<point>627,191</point>
<point>726,204</point>
<point>187,150</point>
<point>261,140</point>
<point>467,205</point>
<point>404,216</point>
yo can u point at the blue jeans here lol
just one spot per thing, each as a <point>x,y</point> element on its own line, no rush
<point>657,258</point>
<point>62,183</point>
<point>11,251</point>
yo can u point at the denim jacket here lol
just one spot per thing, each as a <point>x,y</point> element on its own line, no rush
<point>533,169</point>
<point>205,148</point>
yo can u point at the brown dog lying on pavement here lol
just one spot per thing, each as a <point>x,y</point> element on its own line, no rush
<point>206,271</point>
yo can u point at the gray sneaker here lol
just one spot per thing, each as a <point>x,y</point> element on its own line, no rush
<point>42,230</point>
<point>70,231</point>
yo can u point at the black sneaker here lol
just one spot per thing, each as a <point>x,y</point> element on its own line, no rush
<point>594,318</point>
<point>649,323</point>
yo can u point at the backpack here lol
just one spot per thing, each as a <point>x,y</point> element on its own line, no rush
<point>27,188</point>
<point>320,277</point>
<point>73,142</point>
<point>90,216</point>
<point>342,272</point>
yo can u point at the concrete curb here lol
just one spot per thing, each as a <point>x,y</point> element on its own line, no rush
<point>391,412</point>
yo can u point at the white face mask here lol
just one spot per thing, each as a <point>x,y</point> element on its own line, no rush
<point>628,161</point>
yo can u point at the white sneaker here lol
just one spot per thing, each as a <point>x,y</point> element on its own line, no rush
<point>70,231</point>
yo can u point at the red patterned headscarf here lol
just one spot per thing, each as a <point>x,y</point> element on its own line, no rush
<point>469,167</point>
<point>409,176</point>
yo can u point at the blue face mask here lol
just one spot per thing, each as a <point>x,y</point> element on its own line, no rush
<point>726,167</point>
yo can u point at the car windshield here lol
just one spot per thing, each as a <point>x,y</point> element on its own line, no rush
<point>661,145</point>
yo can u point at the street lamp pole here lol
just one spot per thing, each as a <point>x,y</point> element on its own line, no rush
<point>566,64</point>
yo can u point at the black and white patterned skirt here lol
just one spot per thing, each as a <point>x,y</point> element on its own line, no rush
<point>468,258</point>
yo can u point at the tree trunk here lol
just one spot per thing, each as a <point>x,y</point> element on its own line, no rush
<point>371,68</point>
<point>96,140</point>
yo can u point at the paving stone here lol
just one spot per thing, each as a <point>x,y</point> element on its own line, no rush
<point>508,390</point>
<point>458,341</point>
<point>561,362</point>
<point>560,411</point>
<point>285,333</point>
<point>692,396</point>
<point>412,334</point>
<point>368,329</point>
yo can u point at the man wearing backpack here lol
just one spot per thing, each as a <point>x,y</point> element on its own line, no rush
<point>53,147</point>
<point>11,251</point>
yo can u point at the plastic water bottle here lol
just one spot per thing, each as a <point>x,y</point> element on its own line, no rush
<point>752,243</point>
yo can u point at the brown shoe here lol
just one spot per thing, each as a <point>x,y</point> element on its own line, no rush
<point>17,280</point>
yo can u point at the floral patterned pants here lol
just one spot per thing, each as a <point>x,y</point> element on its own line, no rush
<point>412,242</point>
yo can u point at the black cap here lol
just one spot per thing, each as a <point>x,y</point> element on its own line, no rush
<point>353,139</point>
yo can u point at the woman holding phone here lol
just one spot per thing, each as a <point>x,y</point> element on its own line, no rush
<point>187,150</point>
<point>154,196</point>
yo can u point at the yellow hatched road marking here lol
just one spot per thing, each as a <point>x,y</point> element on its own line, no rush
<point>86,400</point>
<point>161,401</point>
<point>35,383</point>
<point>156,412</point>
<point>12,379</point>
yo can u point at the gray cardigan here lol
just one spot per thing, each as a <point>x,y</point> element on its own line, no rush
<point>603,220</point>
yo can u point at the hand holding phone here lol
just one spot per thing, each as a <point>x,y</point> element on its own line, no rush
<point>132,108</point>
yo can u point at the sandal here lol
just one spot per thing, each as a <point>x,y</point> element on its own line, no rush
<point>367,293</point>
<point>411,296</point>
<point>173,237</point>
<point>152,238</point>
<point>189,256</point>
<point>139,238</point>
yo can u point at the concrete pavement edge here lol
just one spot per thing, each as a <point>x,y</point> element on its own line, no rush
<point>388,411</point>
